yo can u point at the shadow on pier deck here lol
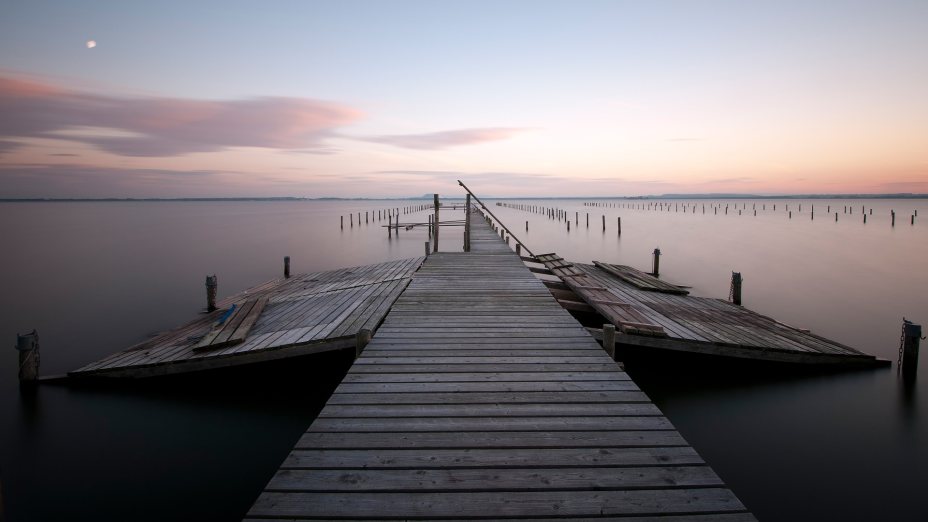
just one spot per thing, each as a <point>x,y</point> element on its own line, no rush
<point>479,397</point>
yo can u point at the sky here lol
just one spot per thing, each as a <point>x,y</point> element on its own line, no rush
<point>516,98</point>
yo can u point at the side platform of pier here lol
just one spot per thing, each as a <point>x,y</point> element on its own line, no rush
<point>479,397</point>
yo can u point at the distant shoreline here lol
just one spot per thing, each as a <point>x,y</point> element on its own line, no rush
<point>585,198</point>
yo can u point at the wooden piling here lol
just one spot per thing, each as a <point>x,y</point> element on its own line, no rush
<point>609,340</point>
<point>619,225</point>
<point>426,249</point>
<point>736,288</point>
<point>911,335</point>
<point>286,267</point>
<point>28,347</point>
<point>436,224</point>
<point>467,223</point>
<point>657,263</point>
<point>893,217</point>
<point>343,222</point>
<point>518,249</point>
<point>212,284</point>
<point>604,222</point>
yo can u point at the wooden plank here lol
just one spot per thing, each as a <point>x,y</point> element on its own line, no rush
<point>493,505</point>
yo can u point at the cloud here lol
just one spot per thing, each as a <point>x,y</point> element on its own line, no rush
<point>682,140</point>
<point>445,139</point>
<point>743,179</point>
<point>7,146</point>
<point>156,126</point>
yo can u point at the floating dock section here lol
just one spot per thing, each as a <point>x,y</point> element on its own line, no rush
<point>479,397</point>
<point>651,313</point>
<point>304,314</point>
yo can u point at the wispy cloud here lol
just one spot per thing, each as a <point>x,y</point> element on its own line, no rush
<point>166,126</point>
<point>446,139</point>
<point>7,146</point>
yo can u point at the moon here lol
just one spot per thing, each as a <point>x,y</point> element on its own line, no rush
<point>91,44</point>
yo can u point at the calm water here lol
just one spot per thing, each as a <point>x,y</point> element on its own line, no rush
<point>94,278</point>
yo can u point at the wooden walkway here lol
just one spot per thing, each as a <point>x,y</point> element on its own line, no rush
<point>651,313</point>
<point>308,313</point>
<point>481,398</point>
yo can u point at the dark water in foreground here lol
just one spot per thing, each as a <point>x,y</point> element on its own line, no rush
<point>94,278</point>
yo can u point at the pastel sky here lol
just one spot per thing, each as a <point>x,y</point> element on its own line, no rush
<point>517,98</point>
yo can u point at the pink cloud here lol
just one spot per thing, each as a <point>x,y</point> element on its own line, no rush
<point>167,126</point>
<point>446,139</point>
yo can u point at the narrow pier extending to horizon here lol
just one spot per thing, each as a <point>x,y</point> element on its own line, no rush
<point>481,397</point>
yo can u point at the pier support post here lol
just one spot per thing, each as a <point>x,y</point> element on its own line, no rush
<point>467,223</point>
<point>436,225</point>
<point>609,340</point>
<point>518,249</point>
<point>736,288</point>
<point>212,284</point>
<point>426,249</point>
<point>286,267</point>
<point>343,222</point>
<point>657,263</point>
<point>620,225</point>
<point>28,347</point>
<point>361,339</point>
<point>911,335</point>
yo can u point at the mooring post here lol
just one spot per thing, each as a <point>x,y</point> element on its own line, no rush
<point>604,222</point>
<point>893,215</point>
<point>286,267</point>
<point>657,263</point>
<point>518,249</point>
<point>620,225</point>
<point>361,339</point>
<point>343,222</point>
<point>911,335</point>
<point>212,284</point>
<point>435,223</point>
<point>609,339</point>
<point>526,226</point>
<point>389,226</point>
<point>736,288</point>
<point>28,347</point>
<point>426,249</point>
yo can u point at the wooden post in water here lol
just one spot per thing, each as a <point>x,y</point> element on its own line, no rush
<point>526,226</point>
<point>361,339</point>
<point>286,267</point>
<point>604,222</point>
<point>426,249</point>
<point>736,288</point>
<point>620,225</point>
<point>28,347</point>
<point>343,222</point>
<point>212,284</point>
<point>518,249</point>
<point>911,335</point>
<point>893,216</point>
<point>657,263</point>
<point>609,339</point>
<point>436,225</point>
<point>467,223</point>
<point>389,226</point>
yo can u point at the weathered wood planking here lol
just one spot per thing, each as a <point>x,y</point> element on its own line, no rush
<point>308,313</point>
<point>481,398</point>
<point>696,324</point>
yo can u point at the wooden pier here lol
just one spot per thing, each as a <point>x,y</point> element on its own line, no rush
<point>479,397</point>
<point>288,317</point>
<point>651,313</point>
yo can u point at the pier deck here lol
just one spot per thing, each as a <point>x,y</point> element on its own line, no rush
<point>305,314</point>
<point>479,397</point>
<point>650,313</point>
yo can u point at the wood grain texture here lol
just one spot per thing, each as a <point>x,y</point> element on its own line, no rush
<point>481,398</point>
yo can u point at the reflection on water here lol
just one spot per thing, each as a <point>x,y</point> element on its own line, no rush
<point>96,277</point>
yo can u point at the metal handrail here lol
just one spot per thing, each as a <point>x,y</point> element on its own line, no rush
<point>497,219</point>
